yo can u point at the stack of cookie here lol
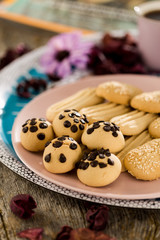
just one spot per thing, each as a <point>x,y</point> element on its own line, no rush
<point>98,131</point>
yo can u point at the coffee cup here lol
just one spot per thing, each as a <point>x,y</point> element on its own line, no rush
<point>149,33</point>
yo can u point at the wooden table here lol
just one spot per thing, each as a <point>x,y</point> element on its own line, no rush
<point>55,210</point>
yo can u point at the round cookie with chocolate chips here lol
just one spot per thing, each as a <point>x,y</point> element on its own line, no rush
<point>70,122</point>
<point>103,135</point>
<point>35,133</point>
<point>61,154</point>
<point>98,168</point>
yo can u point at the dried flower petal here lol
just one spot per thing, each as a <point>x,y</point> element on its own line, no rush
<point>31,234</point>
<point>97,216</point>
<point>22,205</point>
<point>25,88</point>
<point>116,55</point>
<point>64,233</point>
<point>87,234</point>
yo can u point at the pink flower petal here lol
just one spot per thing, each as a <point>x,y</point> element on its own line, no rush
<point>31,234</point>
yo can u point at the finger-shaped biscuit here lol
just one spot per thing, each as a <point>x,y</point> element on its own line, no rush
<point>84,98</point>
<point>134,122</point>
<point>131,143</point>
<point>117,92</point>
<point>154,128</point>
<point>104,111</point>
<point>143,162</point>
<point>147,102</point>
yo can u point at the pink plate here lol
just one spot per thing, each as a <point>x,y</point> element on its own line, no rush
<point>126,186</point>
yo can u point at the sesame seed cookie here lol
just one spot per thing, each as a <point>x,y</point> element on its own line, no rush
<point>35,133</point>
<point>98,168</point>
<point>70,122</point>
<point>147,102</point>
<point>84,98</point>
<point>117,92</point>
<point>103,135</point>
<point>61,154</point>
<point>154,128</point>
<point>144,162</point>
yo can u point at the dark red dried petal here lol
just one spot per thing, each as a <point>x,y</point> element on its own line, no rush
<point>64,233</point>
<point>87,234</point>
<point>31,234</point>
<point>53,77</point>
<point>97,216</point>
<point>22,205</point>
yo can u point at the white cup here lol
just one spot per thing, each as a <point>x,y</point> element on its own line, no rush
<point>149,34</point>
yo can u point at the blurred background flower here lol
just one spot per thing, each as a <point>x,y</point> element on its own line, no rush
<point>65,53</point>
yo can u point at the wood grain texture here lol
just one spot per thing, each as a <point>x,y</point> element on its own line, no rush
<point>55,210</point>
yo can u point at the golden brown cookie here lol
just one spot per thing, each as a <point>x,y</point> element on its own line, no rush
<point>70,122</point>
<point>84,98</point>
<point>144,162</point>
<point>117,92</point>
<point>154,128</point>
<point>104,111</point>
<point>147,102</point>
<point>134,122</point>
<point>98,168</point>
<point>35,133</point>
<point>103,135</point>
<point>61,154</point>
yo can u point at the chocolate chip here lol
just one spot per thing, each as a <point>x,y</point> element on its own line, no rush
<point>82,121</point>
<point>107,128</point>
<point>67,110</point>
<point>74,128</point>
<point>77,114</point>
<point>33,119</point>
<point>94,163</point>
<point>84,165</point>
<point>67,124</point>
<point>107,153</point>
<point>48,157</point>
<point>41,136</point>
<point>92,156</point>
<point>71,115</point>
<point>33,129</point>
<point>61,116</point>
<point>101,121</point>
<point>110,161</point>
<point>62,158</point>
<point>24,124</point>
<point>77,165</point>
<point>33,122</point>
<point>43,125</point>
<point>101,156</point>
<point>61,138</point>
<point>112,129</point>
<point>115,134</point>
<point>90,130</point>
<point>73,146</point>
<point>76,120</point>
<point>85,156</point>
<point>27,120</point>
<point>102,165</point>
<point>96,125</point>
<point>25,129</point>
<point>57,144</point>
<point>42,119</point>
<point>47,143</point>
<point>81,127</point>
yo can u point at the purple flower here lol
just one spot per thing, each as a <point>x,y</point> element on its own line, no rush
<point>65,53</point>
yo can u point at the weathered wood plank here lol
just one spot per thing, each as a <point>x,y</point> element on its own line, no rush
<point>55,210</point>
